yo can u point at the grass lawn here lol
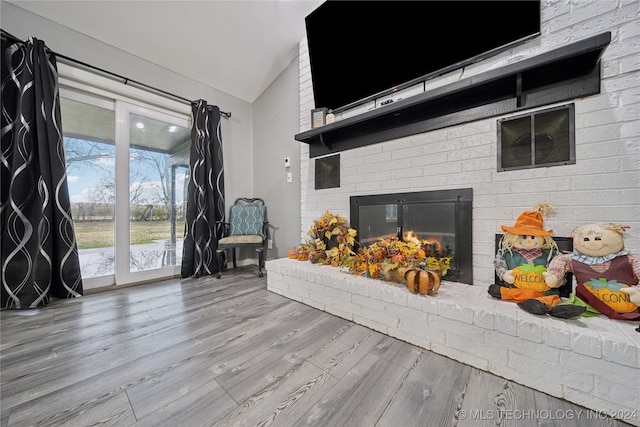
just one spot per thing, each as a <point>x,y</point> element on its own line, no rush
<point>100,234</point>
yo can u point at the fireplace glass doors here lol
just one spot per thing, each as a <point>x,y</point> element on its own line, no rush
<point>443,218</point>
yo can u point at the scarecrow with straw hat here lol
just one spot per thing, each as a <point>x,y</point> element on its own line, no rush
<point>523,255</point>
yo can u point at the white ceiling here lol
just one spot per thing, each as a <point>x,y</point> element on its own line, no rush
<point>238,47</point>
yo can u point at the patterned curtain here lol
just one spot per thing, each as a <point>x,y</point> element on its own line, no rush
<point>39,254</point>
<point>205,202</point>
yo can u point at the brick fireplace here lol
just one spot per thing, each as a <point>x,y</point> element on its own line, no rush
<point>594,362</point>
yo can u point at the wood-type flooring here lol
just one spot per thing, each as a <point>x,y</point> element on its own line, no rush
<point>218,352</point>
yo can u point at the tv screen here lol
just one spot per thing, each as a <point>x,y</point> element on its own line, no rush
<point>361,50</point>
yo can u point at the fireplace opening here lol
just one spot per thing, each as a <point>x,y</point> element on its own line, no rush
<point>443,218</point>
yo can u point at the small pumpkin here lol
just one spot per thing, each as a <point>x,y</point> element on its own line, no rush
<point>529,276</point>
<point>422,282</point>
<point>609,293</point>
<point>293,253</point>
<point>397,258</point>
<point>303,254</point>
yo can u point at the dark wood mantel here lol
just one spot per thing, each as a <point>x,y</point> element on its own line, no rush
<point>563,74</point>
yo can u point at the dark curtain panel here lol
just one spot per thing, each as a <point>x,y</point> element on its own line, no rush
<point>39,254</point>
<point>205,202</point>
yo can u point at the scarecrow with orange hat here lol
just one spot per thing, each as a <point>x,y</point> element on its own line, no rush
<point>523,255</point>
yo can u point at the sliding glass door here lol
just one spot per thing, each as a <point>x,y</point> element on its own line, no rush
<point>127,168</point>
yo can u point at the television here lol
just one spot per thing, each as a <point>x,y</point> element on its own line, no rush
<point>364,50</point>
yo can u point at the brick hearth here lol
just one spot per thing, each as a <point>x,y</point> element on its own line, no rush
<point>593,362</point>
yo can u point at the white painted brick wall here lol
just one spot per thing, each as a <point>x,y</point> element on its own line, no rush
<point>593,362</point>
<point>604,184</point>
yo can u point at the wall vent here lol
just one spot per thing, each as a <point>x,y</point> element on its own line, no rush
<point>327,172</point>
<point>539,139</point>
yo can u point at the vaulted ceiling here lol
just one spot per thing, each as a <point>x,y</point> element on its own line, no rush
<point>238,47</point>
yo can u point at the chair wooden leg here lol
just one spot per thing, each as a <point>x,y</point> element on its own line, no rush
<point>219,253</point>
<point>233,250</point>
<point>260,260</point>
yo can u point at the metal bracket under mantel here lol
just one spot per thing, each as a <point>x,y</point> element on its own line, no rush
<point>324,144</point>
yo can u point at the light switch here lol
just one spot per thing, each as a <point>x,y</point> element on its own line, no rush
<point>289,177</point>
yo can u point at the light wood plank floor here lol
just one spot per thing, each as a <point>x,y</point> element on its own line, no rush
<point>208,352</point>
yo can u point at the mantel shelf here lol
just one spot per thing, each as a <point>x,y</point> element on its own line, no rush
<point>563,74</point>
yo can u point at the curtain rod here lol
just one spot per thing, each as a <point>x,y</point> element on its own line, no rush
<point>125,80</point>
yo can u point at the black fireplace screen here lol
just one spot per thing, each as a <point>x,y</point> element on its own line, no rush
<point>443,218</point>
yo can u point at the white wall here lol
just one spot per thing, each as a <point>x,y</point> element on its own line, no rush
<point>275,122</point>
<point>603,185</point>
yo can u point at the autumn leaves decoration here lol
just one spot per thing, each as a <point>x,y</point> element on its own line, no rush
<point>331,242</point>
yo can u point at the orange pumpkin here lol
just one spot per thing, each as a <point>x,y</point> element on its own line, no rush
<point>530,277</point>
<point>303,255</point>
<point>618,301</point>
<point>397,258</point>
<point>293,253</point>
<point>422,282</point>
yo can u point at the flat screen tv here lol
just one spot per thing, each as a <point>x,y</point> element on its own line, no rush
<point>361,50</point>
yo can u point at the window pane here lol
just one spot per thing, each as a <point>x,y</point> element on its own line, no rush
<point>90,159</point>
<point>157,164</point>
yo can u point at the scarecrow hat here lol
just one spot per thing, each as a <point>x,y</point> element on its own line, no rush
<point>531,223</point>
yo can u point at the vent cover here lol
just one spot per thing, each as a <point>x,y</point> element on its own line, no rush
<point>540,139</point>
<point>327,172</point>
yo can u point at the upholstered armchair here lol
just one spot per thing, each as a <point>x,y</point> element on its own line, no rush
<point>247,227</point>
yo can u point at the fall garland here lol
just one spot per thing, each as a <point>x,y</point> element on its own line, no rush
<point>388,258</point>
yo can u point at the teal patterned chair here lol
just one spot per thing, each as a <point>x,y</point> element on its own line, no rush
<point>247,227</point>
